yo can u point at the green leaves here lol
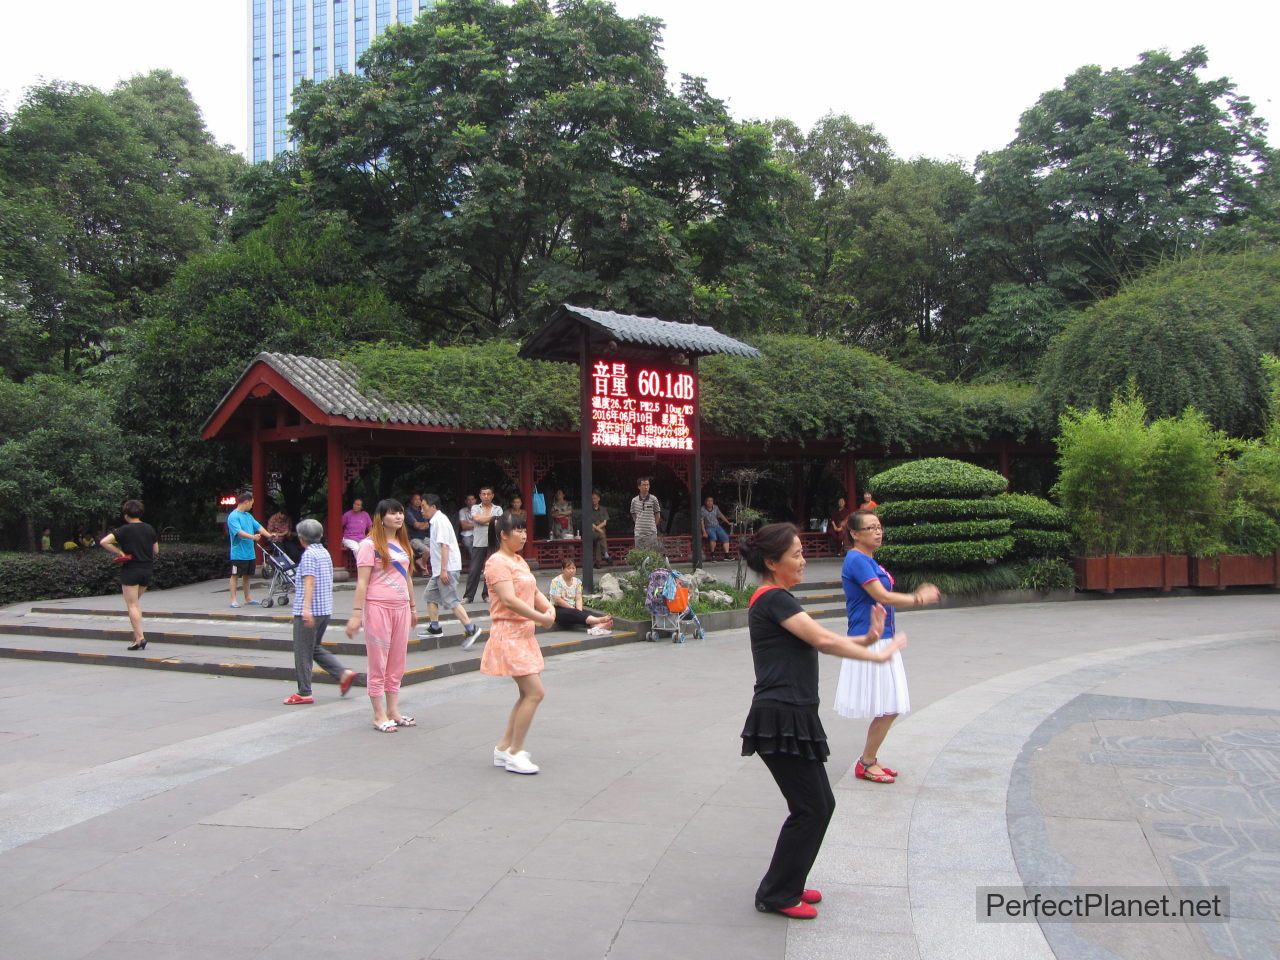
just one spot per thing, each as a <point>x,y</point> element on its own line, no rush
<point>937,476</point>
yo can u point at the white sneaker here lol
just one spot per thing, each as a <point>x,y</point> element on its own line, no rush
<point>599,632</point>
<point>520,763</point>
<point>500,757</point>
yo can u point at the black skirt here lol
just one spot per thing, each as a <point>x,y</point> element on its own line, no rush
<point>776,727</point>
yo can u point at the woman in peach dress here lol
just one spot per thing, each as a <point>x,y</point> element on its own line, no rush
<point>516,606</point>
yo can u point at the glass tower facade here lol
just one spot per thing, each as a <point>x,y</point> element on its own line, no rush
<point>295,40</point>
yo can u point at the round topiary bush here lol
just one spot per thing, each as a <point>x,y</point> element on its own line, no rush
<point>1040,529</point>
<point>937,477</point>
<point>944,524</point>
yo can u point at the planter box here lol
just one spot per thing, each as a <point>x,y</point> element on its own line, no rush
<point>1231,570</point>
<point>1112,573</point>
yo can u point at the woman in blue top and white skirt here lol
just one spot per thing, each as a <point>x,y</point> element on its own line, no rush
<point>867,689</point>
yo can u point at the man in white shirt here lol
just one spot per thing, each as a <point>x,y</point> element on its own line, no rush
<point>446,567</point>
<point>484,540</point>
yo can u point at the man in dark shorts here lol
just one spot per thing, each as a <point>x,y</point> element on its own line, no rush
<point>135,546</point>
<point>245,531</point>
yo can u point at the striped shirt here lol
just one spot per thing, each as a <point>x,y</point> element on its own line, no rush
<point>316,563</point>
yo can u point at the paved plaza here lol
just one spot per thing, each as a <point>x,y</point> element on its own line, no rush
<point>156,815</point>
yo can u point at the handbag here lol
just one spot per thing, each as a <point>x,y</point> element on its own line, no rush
<point>681,601</point>
<point>539,503</point>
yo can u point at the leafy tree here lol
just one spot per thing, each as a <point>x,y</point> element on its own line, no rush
<point>1008,340</point>
<point>61,455</point>
<point>295,285</point>
<point>1116,170</point>
<point>1181,343</point>
<point>96,215</point>
<point>496,159</point>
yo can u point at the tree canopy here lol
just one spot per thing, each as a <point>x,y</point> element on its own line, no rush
<point>1119,169</point>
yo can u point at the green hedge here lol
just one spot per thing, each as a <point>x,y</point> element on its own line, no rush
<point>1035,512</point>
<point>961,553</point>
<point>958,530</point>
<point>954,583</point>
<point>937,477</point>
<point>915,511</point>
<point>89,573</point>
<point>1041,543</point>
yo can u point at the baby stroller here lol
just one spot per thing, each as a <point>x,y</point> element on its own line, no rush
<point>281,568</point>
<point>667,599</point>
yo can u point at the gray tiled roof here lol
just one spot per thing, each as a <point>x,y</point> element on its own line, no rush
<point>334,387</point>
<point>557,341</point>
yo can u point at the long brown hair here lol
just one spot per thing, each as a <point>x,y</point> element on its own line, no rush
<point>379,533</point>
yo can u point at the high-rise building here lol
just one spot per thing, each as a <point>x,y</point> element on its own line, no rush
<point>295,40</point>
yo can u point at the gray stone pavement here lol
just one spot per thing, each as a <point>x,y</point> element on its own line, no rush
<point>1127,741</point>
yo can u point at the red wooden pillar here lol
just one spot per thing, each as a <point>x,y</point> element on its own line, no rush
<point>337,487</point>
<point>850,480</point>
<point>258,469</point>
<point>526,494</point>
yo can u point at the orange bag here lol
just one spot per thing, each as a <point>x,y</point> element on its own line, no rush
<point>680,602</point>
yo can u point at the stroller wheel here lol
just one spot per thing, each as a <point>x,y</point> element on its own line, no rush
<point>267,603</point>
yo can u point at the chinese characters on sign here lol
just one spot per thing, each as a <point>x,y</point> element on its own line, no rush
<point>633,405</point>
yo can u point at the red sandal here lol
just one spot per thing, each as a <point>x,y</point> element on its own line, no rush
<point>861,771</point>
<point>811,896</point>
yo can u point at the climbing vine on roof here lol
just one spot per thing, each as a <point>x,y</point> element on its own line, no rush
<point>802,389</point>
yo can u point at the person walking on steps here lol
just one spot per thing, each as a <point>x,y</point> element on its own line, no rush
<point>782,726</point>
<point>484,541</point>
<point>312,608</point>
<point>135,546</point>
<point>446,569</point>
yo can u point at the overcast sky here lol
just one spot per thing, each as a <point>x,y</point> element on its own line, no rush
<point>938,79</point>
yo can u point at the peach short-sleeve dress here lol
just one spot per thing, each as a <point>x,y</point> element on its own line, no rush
<point>512,648</point>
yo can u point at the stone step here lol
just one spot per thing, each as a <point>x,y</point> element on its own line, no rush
<point>266,658</point>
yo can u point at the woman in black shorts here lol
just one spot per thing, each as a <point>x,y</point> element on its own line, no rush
<point>135,545</point>
<point>782,725</point>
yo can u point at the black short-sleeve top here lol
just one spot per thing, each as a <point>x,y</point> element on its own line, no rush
<point>139,540</point>
<point>786,666</point>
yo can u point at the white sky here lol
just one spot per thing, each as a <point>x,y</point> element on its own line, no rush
<point>938,79</point>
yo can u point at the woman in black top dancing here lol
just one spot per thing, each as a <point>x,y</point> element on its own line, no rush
<point>783,725</point>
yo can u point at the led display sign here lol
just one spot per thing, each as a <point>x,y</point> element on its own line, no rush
<point>227,500</point>
<point>642,406</point>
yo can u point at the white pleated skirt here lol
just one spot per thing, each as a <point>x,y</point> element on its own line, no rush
<point>867,689</point>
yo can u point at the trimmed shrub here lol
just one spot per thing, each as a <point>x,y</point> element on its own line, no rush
<point>26,577</point>
<point>959,530</point>
<point>913,511</point>
<point>937,477</point>
<point>956,583</point>
<point>944,525</point>
<point>1034,512</point>
<point>1138,488</point>
<point>1046,573</point>
<point>1040,529</point>
<point>953,555</point>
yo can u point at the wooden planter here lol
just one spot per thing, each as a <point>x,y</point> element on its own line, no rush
<point>1112,573</point>
<point>1230,570</point>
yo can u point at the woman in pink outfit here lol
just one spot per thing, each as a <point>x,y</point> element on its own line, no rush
<point>515,607</point>
<point>384,606</point>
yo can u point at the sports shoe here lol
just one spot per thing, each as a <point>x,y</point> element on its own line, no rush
<point>599,632</point>
<point>500,757</point>
<point>473,633</point>
<point>434,630</point>
<point>520,763</point>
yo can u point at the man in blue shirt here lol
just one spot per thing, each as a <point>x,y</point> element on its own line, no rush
<point>245,531</point>
<point>312,608</point>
